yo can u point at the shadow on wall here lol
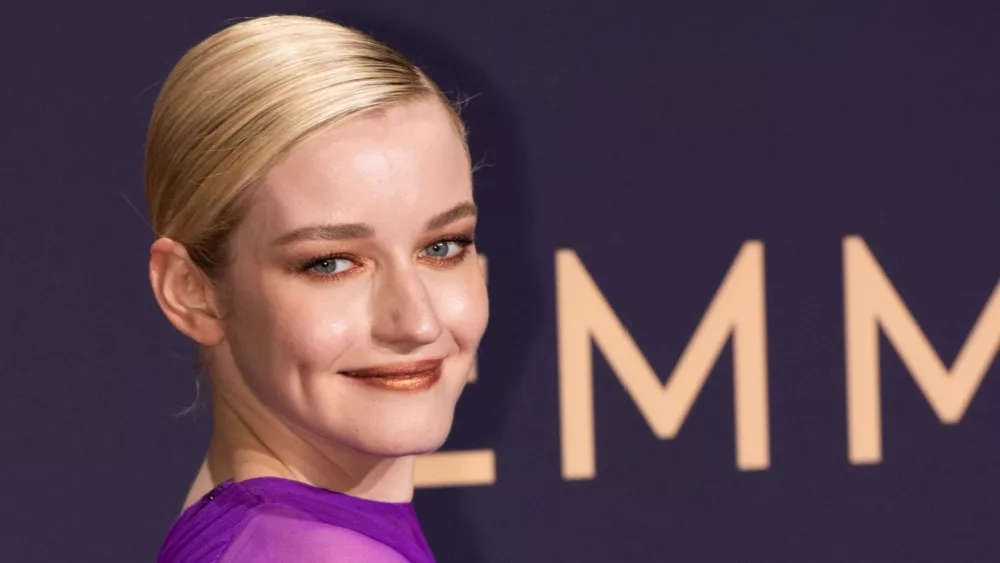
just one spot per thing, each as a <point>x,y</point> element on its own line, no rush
<point>514,284</point>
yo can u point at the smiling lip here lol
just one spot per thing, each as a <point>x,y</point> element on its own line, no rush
<point>410,376</point>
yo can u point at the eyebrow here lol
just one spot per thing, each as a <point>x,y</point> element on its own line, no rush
<point>460,211</point>
<point>361,230</point>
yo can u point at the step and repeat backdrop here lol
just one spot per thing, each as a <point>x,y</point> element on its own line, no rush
<point>743,261</point>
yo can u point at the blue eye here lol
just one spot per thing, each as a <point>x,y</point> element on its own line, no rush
<point>444,249</point>
<point>330,266</point>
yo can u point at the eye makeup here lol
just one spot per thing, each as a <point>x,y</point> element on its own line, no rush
<point>319,266</point>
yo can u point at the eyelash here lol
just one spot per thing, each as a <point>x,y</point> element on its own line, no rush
<point>466,243</point>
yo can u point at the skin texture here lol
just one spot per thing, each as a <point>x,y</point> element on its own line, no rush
<point>289,317</point>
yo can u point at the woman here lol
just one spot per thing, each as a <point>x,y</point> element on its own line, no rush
<point>311,190</point>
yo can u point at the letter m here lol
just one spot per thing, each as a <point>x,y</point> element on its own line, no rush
<point>585,318</point>
<point>871,302</point>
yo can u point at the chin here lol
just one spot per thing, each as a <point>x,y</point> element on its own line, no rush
<point>401,443</point>
<point>391,424</point>
<point>392,432</point>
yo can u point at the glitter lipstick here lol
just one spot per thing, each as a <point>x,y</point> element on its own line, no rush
<point>409,376</point>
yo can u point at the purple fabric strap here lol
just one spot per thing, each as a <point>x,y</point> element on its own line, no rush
<point>299,515</point>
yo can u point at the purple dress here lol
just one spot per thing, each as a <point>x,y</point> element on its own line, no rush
<point>272,520</point>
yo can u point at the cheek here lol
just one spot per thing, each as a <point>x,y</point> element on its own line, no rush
<point>316,326</point>
<point>464,309</point>
<point>289,328</point>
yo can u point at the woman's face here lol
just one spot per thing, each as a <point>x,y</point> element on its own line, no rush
<point>355,298</point>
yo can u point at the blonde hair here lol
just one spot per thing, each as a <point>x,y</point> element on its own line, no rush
<point>239,100</point>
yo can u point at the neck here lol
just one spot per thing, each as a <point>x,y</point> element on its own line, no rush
<point>240,450</point>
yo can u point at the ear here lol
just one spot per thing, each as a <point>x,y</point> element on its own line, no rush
<point>184,293</point>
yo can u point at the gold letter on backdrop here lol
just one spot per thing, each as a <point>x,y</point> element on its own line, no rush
<point>870,302</point>
<point>584,315</point>
<point>461,468</point>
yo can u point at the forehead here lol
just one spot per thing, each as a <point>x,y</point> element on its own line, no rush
<point>406,162</point>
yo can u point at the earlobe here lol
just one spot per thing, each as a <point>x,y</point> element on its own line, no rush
<point>185,294</point>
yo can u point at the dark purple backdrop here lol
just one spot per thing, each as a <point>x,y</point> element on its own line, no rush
<point>651,137</point>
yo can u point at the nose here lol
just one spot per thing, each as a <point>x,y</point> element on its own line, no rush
<point>404,317</point>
